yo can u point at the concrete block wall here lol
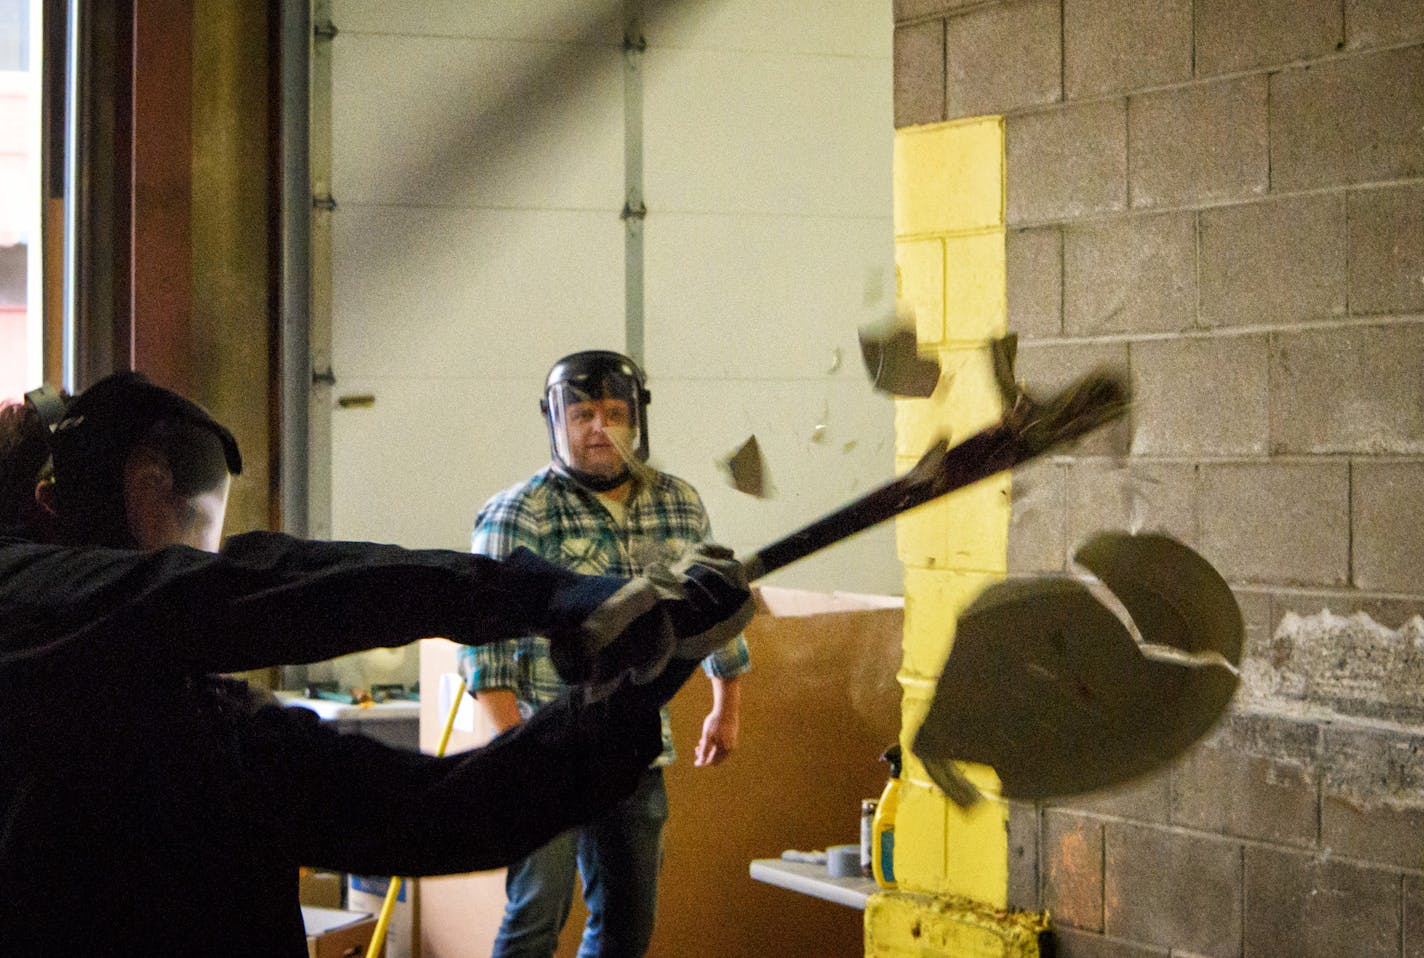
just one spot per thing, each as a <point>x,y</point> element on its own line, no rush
<point>1227,198</point>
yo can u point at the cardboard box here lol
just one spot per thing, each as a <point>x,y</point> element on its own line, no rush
<point>334,933</point>
<point>321,889</point>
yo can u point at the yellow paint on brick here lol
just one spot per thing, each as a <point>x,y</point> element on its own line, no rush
<point>968,527</point>
<point>983,778</point>
<point>962,531</point>
<point>976,859</point>
<point>919,268</point>
<point>973,401</point>
<point>920,838</point>
<point>919,423</point>
<point>933,600</point>
<point>914,703</point>
<point>965,401</point>
<point>949,194</point>
<point>922,535</point>
<point>942,182</point>
<point>975,287</point>
<point>951,863</point>
<point>945,850</point>
<point>899,925</point>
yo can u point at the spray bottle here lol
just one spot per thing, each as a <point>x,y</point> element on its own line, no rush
<point>882,842</point>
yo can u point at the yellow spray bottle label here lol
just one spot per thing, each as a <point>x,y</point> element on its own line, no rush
<point>882,841</point>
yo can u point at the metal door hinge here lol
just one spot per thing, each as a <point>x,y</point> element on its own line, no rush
<point>324,202</point>
<point>325,30</point>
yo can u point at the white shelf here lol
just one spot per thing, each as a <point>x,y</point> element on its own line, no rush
<point>333,711</point>
<point>813,880</point>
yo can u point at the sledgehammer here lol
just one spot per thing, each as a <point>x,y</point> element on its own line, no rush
<point>1029,428</point>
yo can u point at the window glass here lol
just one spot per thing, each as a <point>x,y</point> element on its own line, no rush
<point>15,34</point>
<point>20,328</point>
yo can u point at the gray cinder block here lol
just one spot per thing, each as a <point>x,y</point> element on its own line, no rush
<point>1113,46</point>
<point>1037,519</point>
<point>1049,367</point>
<point>1375,23</point>
<point>919,73</point>
<point>1280,522</point>
<point>1387,512</point>
<point>1414,916</point>
<point>1232,36</point>
<point>1132,494</point>
<point>914,9</point>
<point>1147,800</point>
<point>1353,389</point>
<point>1277,261</point>
<point>1200,396</point>
<point>1073,869</point>
<point>1256,777</point>
<point>1034,261</point>
<point>1355,120</point>
<point>1003,57</point>
<point>1309,907</point>
<point>1199,144</point>
<point>1158,885</point>
<point>1387,250</point>
<point>1066,163</point>
<point>1069,943</point>
<point>1135,274</point>
<point>1372,798</point>
<point>1024,885</point>
<point>1342,654</point>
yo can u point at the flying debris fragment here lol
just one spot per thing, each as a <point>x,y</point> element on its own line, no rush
<point>746,469</point>
<point>893,360</point>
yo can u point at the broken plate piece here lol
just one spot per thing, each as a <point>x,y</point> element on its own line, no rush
<point>746,469</point>
<point>893,360</point>
<point>1047,684</point>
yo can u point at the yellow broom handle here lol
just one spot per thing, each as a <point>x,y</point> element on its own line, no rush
<point>388,907</point>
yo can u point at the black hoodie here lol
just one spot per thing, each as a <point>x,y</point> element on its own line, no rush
<point>149,806</point>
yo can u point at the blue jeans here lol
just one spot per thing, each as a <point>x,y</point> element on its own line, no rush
<point>618,857</point>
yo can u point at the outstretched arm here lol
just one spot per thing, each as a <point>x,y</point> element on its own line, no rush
<point>353,804</point>
<point>267,599</point>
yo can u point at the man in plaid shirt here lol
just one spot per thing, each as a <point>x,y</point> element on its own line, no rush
<point>596,508</point>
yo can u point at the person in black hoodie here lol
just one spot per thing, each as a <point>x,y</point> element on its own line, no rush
<point>150,805</point>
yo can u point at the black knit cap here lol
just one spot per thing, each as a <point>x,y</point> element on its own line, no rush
<point>103,424</point>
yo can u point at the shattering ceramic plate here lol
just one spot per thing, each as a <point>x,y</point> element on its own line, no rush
<point>1047,684</point>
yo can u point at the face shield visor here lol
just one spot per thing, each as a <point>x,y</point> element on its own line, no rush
<point>595,406</point>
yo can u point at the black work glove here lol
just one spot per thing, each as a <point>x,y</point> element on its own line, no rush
<point>707,596</point>
<point>607,630</point>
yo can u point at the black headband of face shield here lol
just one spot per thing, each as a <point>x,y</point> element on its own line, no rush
<point>91,436</point>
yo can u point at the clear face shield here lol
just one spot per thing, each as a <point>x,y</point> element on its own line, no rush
<point>596,427</point>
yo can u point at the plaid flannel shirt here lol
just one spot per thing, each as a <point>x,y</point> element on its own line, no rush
<point>566,524</point>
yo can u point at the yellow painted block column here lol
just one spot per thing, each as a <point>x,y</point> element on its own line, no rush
<point>951,863</point>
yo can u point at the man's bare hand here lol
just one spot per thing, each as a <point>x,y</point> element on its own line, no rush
<point>720,734</point>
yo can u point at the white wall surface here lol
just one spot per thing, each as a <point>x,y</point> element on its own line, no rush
<point>479,174</point>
